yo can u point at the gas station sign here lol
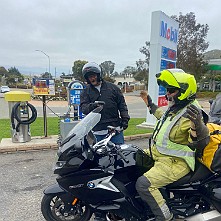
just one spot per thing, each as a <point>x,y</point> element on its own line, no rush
<point>43,86</point>
<point>163,47</point>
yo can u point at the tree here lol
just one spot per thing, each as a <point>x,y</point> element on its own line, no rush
<point>3,71</point>
<point>115,74</point>
<point>46,75</point>
<point>77,70</point>
<point>191,44</point>
<point>146,51</point>
<point>129,70</point>
<point>142,71</point>
<point>13,76</point>
<point>107,68</point>
<point>143,65</point>
<point>106,78</point>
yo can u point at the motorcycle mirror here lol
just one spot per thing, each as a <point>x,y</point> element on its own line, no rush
<point>210,101</point>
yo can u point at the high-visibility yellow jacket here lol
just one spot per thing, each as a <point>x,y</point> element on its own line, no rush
<point>172,135</point>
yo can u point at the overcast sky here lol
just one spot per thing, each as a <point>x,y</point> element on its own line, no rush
<point>92,30</point>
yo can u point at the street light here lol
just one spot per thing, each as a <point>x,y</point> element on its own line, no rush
<point>48,59</point>
<point>44,99</point>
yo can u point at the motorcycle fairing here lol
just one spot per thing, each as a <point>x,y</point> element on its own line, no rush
<point>55,188</point>
<point>138,163</point>
<point>91,182</point>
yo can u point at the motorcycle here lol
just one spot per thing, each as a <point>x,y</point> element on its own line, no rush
<point>100,177</point>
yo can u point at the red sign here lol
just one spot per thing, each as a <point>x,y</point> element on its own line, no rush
<point>162,101</point>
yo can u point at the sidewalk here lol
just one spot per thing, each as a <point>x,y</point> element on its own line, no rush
<point>44,143</point>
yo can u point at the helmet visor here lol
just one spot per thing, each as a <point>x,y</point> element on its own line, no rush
<point>167,79</point>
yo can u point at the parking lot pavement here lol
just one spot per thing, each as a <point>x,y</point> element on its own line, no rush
<point>24,176</point>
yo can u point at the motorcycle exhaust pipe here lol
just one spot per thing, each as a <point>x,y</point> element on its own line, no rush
<point>213,215</point>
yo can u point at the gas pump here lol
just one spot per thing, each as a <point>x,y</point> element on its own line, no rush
<point>20,115</point>
<point>70,119</point>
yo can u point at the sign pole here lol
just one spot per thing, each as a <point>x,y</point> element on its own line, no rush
<point>44,87</point>
<point>44,115</point>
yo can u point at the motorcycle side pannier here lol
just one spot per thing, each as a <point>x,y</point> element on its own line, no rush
<point>211,156</point>
<point>143,161</point>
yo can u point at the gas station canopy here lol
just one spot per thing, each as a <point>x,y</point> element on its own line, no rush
<point>214,67</point>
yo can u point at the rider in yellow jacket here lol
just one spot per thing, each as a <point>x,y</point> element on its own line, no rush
<point>175,137</point>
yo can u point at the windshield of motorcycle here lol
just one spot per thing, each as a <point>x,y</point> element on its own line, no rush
<point>81,129</point>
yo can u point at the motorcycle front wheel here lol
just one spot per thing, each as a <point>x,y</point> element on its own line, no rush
<point>53,209</point>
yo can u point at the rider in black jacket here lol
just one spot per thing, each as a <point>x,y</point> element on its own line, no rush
<point>114,113</point>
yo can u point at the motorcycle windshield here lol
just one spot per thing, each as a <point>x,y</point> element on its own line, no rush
<point>216,108</point>
<point>81,129</point>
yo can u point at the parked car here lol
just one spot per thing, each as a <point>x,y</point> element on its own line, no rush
<point>5,89</point>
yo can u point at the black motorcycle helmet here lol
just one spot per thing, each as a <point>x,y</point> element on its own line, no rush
<point>91,68</point>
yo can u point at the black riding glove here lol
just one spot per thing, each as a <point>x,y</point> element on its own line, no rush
<point>150,102</point>
<point>153,107</point>
<point>92,106</point>
<point>124,124</point>
<point>195,115</point>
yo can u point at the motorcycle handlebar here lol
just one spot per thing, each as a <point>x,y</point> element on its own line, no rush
<point>113,148</point>
<point>123,157</point>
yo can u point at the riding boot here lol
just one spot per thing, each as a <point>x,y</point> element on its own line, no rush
<point>161,213</point>
<point>166,212</point>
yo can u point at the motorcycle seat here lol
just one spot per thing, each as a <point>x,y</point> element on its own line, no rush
<point>201,172</point>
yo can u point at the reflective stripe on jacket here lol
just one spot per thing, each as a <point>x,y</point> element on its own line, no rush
<point>165,146</point>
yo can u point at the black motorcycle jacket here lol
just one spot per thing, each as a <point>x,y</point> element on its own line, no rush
<point>115,109</point>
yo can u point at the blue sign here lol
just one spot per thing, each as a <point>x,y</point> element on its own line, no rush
<point>75,96</point>
<point>76,85</point>
<point>167,64</point>
<point>168,54</point>
<point>75,88</point>
<point>162,90</point>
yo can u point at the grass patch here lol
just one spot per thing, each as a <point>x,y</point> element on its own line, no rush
<point>37,128</point>
<point>207,94</point>
<point>133,130</point>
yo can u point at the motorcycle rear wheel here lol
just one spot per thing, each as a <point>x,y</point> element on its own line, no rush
<point>52,208</point>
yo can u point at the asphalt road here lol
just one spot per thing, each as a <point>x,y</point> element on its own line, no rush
<point>23,177</point>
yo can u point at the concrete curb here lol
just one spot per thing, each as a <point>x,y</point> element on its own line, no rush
<point>42,143</point>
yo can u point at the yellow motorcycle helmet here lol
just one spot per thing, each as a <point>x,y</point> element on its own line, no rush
<point>177,78</point>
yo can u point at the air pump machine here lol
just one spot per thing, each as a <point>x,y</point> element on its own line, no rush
<point>22,114</point>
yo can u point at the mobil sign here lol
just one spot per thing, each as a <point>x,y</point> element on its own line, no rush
<point>168,37</point>
<point>168,32</point>
<point>163,51</point>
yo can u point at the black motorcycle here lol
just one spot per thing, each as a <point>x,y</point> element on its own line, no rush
<point>100,177</point>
